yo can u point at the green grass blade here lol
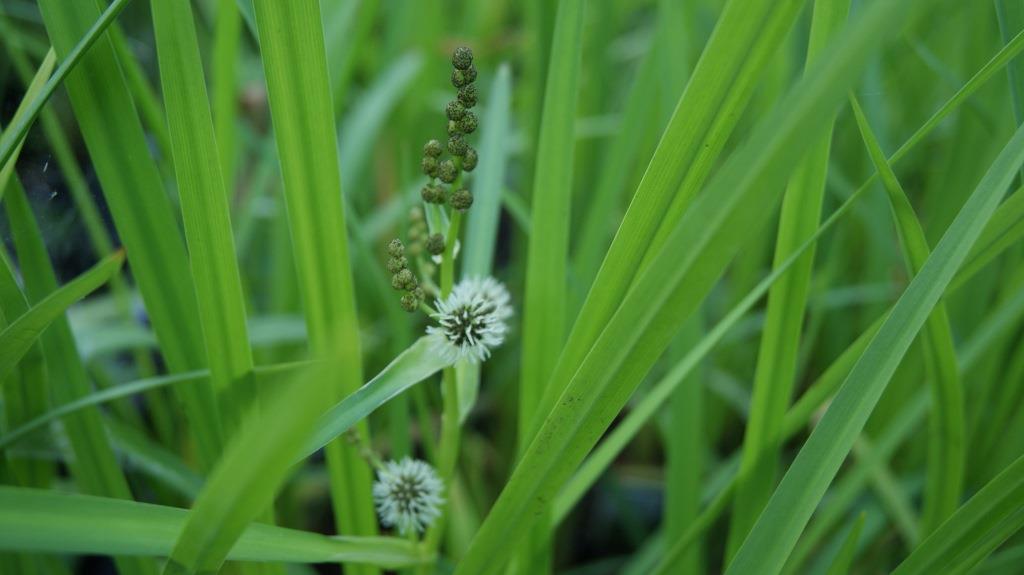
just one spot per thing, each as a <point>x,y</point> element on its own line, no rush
<point>27,393</point>
<point>17,131</point>
<point>947,443</point>
<point>1004,230</point>
<point>94,467</point>
<point>411,367</point>
<point>227,42</point>
<point>140,208</point>
<point>255,463</point>
<point>545,298</point>
<point>32,92</point>
<point>55,522</point>
<point>789,509</point>
<point>23,331</point>
<point>738,200</point>
<point>775,373</point>
<point>973,525</point>
<point>204,201</point>
<point>660,392</point>
<point>707,112</point>
<point>482,220</point>
<point>292,46</point>
<point>153,459</point>
<point>844,559</point>
<point>202,376</point>
<point>621,153</point>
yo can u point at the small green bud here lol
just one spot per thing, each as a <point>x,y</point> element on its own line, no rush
<point>427,193</point>
<point>462,58</point>
<point>457,145</point>
<point>410,303</point>
<point>429,165</point>
<point>432,148</point>
<point>419,294</point>
<point>460,78</point>
<point>470,74</point>
<point>435,245</point>
<point>395,248</point>
<point>467,95</point>
<point>403,280</point>
<point>453,128</point>
<point>462,199</point>
<point>468,123</point>
<point>454,110</point>
<point>447,171</point>
<point>469,159</point>
<point>397,264</point>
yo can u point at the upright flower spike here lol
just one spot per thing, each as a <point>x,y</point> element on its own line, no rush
<point>408,495</point>
<point>472,320</point>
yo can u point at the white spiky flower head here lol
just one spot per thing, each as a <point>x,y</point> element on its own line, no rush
<point>408,495</point>
<point>472,320</point>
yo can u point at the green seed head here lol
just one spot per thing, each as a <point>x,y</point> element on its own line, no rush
<point>457,145</point>
<point>454,110</point>
<point>435,245</point>
<point>403,280</point>
<point>460,78</point>
<point>469,74</point>
<point>447,171</point>
<point>397,264</point>
<point>410,303</point>
<point>429,166</point>
<point>395,248</point>
<point>468,123</point>
<point>469,159</point>
<point>462,58</point>
<point>462,199</point>
<point>432,149</point>
<point>467,95</point>
<point>453,128</point>
<point>429,193</point>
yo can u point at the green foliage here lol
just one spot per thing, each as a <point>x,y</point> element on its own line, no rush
<point>756,320</point>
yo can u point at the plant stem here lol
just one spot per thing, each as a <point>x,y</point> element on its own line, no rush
<point>450,430</point>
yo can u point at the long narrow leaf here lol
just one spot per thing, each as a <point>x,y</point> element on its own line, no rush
<point>737,201</point>
<point>789,509</point>
<point>19,336</point>
<point>55,522</point>
<point>292,46</point>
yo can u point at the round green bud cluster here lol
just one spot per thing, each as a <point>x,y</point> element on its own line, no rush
<point>469,160</point>
<point>462,199</point>
<point>454,110</point>
<point>432,149</point>
<point>447,171</point>
<point>453,128</point>
<point>467,95</point>
<point>398,264</point>
<point>462,58</point>
<point>462,78</point>
<point>468,123</point>
<point>432,194</point>
<point>402,278</point>
<point>457,145</point>
<point>395,248</point>
<point>435,245</point>
<point>429,165</point>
